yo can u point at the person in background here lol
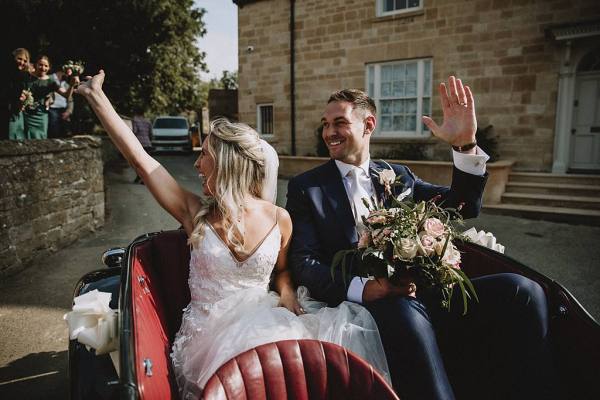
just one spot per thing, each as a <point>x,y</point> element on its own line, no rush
<point>35,118</point>
<point>16,85</point>
<point>61,109</point>
<point>141,128</point>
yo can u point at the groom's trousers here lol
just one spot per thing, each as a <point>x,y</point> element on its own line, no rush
<point>498,350</point>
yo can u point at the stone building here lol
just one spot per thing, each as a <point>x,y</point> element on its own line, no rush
<point>533,65</point>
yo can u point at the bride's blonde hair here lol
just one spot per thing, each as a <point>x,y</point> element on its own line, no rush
<point>240,173</point>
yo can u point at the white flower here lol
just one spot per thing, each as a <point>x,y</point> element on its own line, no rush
<point>451,256</point>
<point>406,249</point>
<point>387,177</point>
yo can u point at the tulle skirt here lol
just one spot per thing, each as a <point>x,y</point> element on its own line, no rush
<point>212,334</point>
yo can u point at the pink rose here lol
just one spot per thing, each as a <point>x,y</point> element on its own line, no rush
<point>426,244</point>
<point>364,240</point>
<point>434,227</point>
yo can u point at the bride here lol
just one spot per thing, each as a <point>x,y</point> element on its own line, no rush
<point>239,245</point>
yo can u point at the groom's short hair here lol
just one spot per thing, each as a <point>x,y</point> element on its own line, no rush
<point>357,98</point>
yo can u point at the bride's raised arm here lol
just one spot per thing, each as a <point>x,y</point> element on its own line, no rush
<point>180,203</point>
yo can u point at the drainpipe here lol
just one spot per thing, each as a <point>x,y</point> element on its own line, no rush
<point>292,76</point>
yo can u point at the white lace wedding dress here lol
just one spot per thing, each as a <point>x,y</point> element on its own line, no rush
<point>231,311</point>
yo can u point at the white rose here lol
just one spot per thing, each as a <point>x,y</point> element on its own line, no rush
<point>451,256</point>
<point>387,177</point>
<point>406,249</point>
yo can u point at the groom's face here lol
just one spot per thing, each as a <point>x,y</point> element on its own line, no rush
<point>346,132</point>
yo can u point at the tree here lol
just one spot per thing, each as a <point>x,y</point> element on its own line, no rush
<point>229,80</point>
<point>146,47</point>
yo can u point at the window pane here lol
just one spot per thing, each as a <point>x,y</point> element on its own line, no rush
<point>411,123</point>
<point>413,3</point>
<point>411,106</point>
<point>386,123</point>
<point>386,89</point>
<point>387,73</point>
<point>389,5</point>
<point>386,107</point>
<point>398,89</point>
<point>398,123</point>
<point>427,77</point>
<point>426,106</point>
<point>426,111</point>
<point>411,88</point>
<point>398,71</point>
<point>398,107</point>
<point>411,71</point>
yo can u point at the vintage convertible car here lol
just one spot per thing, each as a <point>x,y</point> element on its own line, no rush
<point>148,282</point>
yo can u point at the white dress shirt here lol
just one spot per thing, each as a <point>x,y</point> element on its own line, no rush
<point>470,163</point>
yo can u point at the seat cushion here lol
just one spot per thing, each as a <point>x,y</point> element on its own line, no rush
<point>297,369</point>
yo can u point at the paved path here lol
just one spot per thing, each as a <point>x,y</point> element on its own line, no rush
<point>33,347</point>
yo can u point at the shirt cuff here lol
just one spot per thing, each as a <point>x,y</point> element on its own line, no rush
<point>473,164</point>
<point>355,290</point>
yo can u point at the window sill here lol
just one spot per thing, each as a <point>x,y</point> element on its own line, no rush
<point>398,16</point>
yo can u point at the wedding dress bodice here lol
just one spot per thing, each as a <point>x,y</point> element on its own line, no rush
<point>216,273</point>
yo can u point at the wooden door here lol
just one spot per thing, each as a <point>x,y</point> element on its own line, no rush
<point>585,143</point>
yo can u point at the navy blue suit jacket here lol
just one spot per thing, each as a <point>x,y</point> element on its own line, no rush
<point>324,224</point>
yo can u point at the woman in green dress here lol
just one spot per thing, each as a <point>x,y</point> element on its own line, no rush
<point>16,84</point>
<point>40,85</point>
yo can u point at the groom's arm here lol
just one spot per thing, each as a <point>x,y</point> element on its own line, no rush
<point>468,182</point>
<point>306,251</point>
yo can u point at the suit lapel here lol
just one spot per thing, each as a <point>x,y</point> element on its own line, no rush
<point>374,174</point>
<point>335,192</point>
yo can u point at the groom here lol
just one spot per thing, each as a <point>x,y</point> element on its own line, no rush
<point>510,321</point>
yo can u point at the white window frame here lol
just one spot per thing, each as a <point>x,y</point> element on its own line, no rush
<point>421,131</point>
<point>259,122</point>
<point>380,13</point>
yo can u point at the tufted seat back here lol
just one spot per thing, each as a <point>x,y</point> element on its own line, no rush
<point>297,369</point>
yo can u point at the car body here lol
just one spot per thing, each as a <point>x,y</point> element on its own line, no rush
<point>171,133</point>
<point>148,280</point>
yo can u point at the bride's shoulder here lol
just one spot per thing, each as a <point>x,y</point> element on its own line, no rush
<point>284,221</point>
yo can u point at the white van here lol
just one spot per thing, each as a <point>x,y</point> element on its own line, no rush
<point>171,133</point>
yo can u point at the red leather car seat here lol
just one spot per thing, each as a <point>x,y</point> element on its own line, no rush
<point>297,369</point>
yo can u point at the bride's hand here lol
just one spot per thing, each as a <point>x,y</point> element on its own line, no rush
<point>91,84</point>
<point>290,301</point>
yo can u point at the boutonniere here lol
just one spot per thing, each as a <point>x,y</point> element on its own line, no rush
<point>387,178</point>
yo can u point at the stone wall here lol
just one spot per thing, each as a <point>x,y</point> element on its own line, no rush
<point>500,48</point>
<point>51,193</point>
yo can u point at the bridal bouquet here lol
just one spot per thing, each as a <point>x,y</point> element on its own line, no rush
<point>73,68</point>
<point>411,240</point>
<point>27,100</point>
